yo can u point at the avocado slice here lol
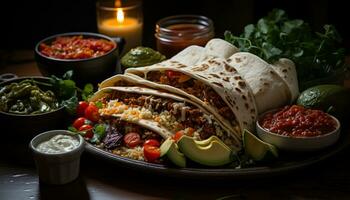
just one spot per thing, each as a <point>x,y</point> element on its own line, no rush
<point>214,154</point>
<point>257,149</point>
<point>170,149</point>
<point>206,142</point>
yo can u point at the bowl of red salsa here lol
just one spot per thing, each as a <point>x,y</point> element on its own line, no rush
<point>92,57</point>
<point>295,128</point>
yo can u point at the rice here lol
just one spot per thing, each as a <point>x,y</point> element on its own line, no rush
<point>133,153</point>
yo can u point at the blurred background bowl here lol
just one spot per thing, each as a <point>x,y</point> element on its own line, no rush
<point>298,144</point>
<point>88,70</point>
<point>21,128</point>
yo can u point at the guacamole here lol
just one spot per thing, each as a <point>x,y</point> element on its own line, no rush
<point>141,56</point>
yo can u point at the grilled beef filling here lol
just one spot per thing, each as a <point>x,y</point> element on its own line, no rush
<point>175,116</point>
<point>193,87</point>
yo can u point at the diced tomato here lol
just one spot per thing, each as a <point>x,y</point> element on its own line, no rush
<point>88,131</point>
<point>178,135</point>
<point>91,112</point>
<point>132,139</point>
<point>151,142</point>
<point>151,153</point>
<point>172,74</point>
<point>80,122</point>
<point>81,108</point>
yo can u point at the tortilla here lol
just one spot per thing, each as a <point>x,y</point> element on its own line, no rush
<point>162,113</point>
<point>269,89</point>
<point>286,69</point>
<point>189,56</point>
<point>218,48</point>
<point>219,76</point>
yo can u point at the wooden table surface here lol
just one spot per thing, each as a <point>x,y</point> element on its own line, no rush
<point>99,179</point>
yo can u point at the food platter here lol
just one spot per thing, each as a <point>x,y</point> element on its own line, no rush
<point>218,111</point>
<point>290,162</point>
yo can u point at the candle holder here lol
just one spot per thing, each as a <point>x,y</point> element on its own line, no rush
<point>121,19</point>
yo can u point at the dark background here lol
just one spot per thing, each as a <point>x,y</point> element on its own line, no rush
<point>23,23</point>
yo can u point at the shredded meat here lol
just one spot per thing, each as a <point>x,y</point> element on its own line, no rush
<point>196,88</point>
<point>207,131</point>
<point>194,116</point>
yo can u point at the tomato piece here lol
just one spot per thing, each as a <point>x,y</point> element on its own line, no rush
<point>172,74</point>
<point>91,112</point>
<point>132,139</point>
<point>82,105</point>
<point>151,153</point>
<point>178,135</point>
<point>151,142</point>
<point>80,122</point>
<point>87,128</point>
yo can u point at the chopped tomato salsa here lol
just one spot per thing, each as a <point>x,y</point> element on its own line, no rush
<point>76,47</point>
<point>297,121</point>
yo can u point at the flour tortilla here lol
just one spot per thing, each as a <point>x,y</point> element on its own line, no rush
<point>286,69</point>
<point>189,56</point>
<point>155,126</point>
<point>222,78</point>
<point>218,48</point>
<point>269,89</point>
<point>215,48</point>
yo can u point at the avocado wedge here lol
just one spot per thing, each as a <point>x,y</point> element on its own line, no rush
<point>257,149</point>
<point>170,149</point>
<point>207,141</point>
<point>215,153</point>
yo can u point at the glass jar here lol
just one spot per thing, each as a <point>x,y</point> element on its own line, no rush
<point>175,33</point>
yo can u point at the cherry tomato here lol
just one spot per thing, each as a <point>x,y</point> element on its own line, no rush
<point>82,105</point>
<point>91,112</point>
<point>81,121</point>
<point>151,142</point>
<point>151,153</point>
<point>132,139</point>
<point>172,74</point>
<point>178,135</point>
<point>88,130</point>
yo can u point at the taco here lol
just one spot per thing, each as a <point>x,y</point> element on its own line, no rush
<point>213,84</point>
<point>151,112</point>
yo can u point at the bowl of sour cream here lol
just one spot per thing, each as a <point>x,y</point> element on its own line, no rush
<point>57,155</point>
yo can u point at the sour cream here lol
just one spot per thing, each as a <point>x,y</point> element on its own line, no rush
<point>58,144</point>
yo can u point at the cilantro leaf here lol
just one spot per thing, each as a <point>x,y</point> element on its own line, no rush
<point>318,55</point>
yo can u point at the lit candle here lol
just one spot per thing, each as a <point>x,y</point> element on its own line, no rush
<point>121,25</point>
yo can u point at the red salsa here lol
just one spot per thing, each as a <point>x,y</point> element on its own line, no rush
<point>76,47</point>
<point>297,121</point>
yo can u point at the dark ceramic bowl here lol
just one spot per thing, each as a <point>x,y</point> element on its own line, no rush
<point>21,128</point>
<point>89,70</point>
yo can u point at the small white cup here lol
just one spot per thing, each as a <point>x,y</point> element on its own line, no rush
<point>58,168</point>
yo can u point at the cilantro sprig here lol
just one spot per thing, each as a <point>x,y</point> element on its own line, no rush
<point>68,92</point>
<point>318,55</point>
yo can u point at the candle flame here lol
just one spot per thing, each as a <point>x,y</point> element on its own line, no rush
<point>120,15</point>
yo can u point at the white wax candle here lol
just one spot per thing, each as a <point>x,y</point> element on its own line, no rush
<point>130,29</point>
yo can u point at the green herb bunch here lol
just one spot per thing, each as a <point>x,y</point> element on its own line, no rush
<point>67,90</point>
<point>318,55</point>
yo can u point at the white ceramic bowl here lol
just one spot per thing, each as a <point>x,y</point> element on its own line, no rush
<point>298,143</point>
<point>57,168</point>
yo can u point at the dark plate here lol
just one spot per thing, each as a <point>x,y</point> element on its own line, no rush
<point>286,163</point>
